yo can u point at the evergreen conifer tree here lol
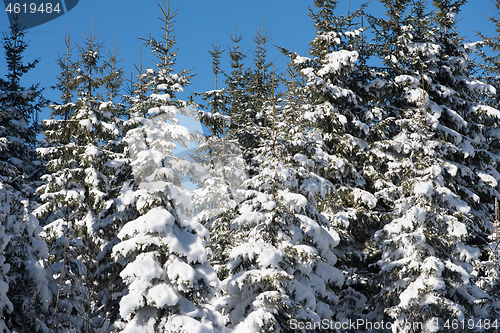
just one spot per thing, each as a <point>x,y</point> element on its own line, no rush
<point>168,276</point>
<point>80,139</point>
<point>221,156</point>
<point>434,168</point>
<point>25,296</point>
<point>490,53</point>
<point>279,259</point>
<point>338,94</point>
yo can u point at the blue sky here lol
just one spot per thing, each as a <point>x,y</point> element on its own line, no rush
<point>200,23</point>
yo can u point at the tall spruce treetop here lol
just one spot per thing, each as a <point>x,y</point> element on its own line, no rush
<point>19,107</point>
<point>221,155</point>
<point>169,278</point>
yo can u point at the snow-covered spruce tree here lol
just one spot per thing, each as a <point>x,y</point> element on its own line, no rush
<point>117,170</point>
<point>168,275</point>
<point>281,265</point>
<point>339,90</point>
<point>220,154</point>
<point>234,134</point>
<point>24,297</point>
<point>490,53</point>
<point>257,89</point>
<point>434,169</point>
<point>243,94</point>
<point>80,139</point>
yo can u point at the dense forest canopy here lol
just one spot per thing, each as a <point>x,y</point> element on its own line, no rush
<point>354,188</point>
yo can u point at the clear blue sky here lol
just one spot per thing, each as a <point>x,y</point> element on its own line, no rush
<point>200,23</point>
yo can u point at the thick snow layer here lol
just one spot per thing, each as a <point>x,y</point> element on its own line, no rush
<point>105,105</point>
<point>297,202</point>
<point>180,323</point>
<point>457,229</point>
<point>116,163</point>
<point>161,97</point>
<point>316,185</point>
<point>300,60</point>
<point>180,134</point>
<point>467,148</point>
<point>336,60</point>
<point>421,286</point>
<point>329,273</point>
<point>467,253</point>
<point>161,295</point>
<point>270,257</point>
<point>407,80</point>
<point>324,239</point>
<point>457,138</point>
<point>87,124</point>
<point>158,227</point>
<point>424,188</point>
<point>457,119</point>
<point>487,179</point>
<point>459,269</point>
<point>144,267</point>
<point>248,216</point>
<point>187,244</point>
<point>180,272</point>
<point>451,168</point>
<point>130,303</point>
<point>111,128</point>
<point>407,222</point>
<point>143,322</point>
<point>453,200</point>
<point>157,220</point>
<point>365,197</point>
<point>480,87</point>
<point>303,294</point>
<point>490,111</point>
<point>255,321</point>
<point>247,251</point>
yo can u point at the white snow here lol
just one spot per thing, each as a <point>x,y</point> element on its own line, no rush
<point>301,60</point>
<point>180,272</point>
<point>157,220</point>
<point>467,253</point>
<point>490,111</point>
<point>130,303</point>
<point>487,179</point>
<point>270,257</point>
<point>294,200</point>
<point>144,267</point>
<point>481,87</point>
<point>87,124</point>
<point>180,323</point>
<point>162,294</point>
<point>365,197</point>
<point>424,188</point>
<point>161,97</point>
<point>457,229</point>
<point>336,60</point>
<point>467,148</point>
